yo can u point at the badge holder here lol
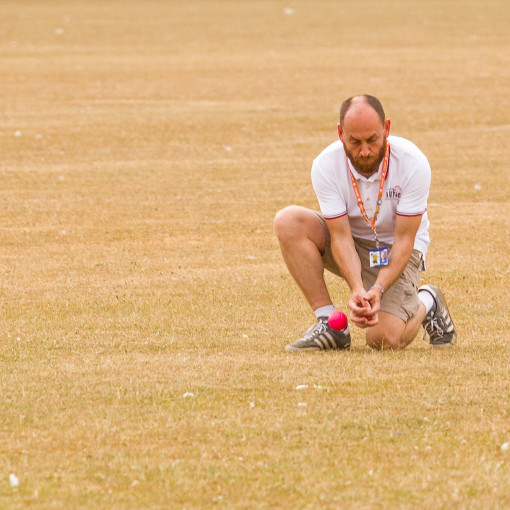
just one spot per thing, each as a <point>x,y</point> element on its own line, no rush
<point>379,257</point>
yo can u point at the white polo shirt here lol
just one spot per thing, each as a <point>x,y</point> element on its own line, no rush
<point>405,192</point>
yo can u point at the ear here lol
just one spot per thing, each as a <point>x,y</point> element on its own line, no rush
<point>387,124</point>
<point>340,133</point>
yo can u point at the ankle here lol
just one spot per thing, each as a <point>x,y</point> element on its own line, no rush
<point>324,311</point>
<point>428,300</point>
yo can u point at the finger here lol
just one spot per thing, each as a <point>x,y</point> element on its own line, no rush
<point>370,314</point>
<point>359,309</point>
<point>358,320</point>
<point>360,312</point>
<point>362,324</point>
<point>373,320</point>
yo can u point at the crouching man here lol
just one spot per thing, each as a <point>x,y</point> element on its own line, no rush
<point>372,231</point>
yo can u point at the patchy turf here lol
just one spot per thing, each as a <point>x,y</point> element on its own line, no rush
<point>145,147</point>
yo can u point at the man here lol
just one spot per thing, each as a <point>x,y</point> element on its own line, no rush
<point>372,189</point>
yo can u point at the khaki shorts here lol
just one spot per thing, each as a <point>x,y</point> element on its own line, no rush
<point>401,299</point>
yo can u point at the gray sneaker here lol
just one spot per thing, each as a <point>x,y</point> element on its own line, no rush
<point>321,337</point>
<point>438,321</point>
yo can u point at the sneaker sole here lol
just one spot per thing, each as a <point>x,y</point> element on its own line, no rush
<point>446,345</point>
<point>291,348</point>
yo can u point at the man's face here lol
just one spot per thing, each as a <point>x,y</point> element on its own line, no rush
<point>364,138</point>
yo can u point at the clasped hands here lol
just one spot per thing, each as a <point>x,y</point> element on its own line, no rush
<point>364,307</point>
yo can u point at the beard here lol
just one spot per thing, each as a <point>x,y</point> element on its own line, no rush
<point>367,165</point>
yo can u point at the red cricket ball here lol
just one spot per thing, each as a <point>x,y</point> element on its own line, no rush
<point>337,320</point>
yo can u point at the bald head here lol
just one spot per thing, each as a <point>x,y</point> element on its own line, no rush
<point>359,104</point>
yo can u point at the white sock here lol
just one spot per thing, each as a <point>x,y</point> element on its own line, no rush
<point>324,311</point>
<point>427,299</point>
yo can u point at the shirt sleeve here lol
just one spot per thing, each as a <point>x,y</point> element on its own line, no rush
<point>415,191</point>
<point>331,201</point>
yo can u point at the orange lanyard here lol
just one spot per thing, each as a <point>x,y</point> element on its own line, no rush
<point>372,221</point>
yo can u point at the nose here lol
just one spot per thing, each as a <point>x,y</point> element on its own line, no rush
<point>364,150</point>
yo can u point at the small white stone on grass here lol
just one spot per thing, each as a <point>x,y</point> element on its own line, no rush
<point>17,133</point>
<point>252,404</point>
<point>301,386</point>
<point>505,447</point>
<point>478,187</point>
<point>302,404</point>
<point>135,483</point>
<point>188,394</point>
<point>13,480</point>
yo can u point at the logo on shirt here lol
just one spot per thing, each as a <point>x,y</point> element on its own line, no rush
<point>394,193</point>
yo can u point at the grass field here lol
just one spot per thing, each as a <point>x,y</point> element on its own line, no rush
<point>145,147</point>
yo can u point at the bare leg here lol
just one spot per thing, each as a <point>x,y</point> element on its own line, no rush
<point>392,332</point>
<point>302,240</point>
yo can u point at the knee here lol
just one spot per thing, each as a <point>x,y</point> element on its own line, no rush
<point>384,341</point>
<point>287,221</point>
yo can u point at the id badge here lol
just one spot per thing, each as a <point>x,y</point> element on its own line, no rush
<point>379,257</point>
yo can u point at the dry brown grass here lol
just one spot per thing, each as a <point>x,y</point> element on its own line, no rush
<point>145,147</point>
